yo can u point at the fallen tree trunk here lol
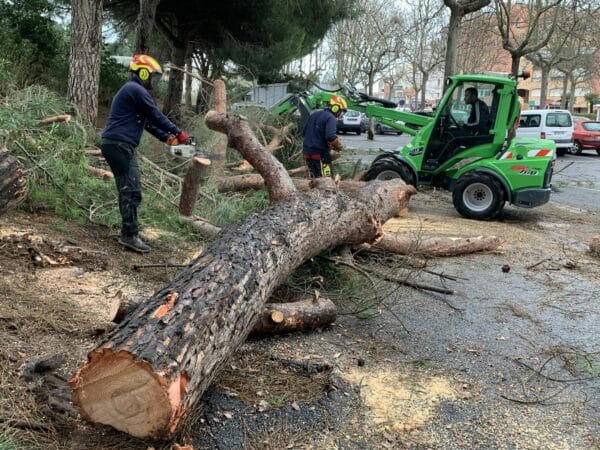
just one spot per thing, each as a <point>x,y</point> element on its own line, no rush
<point>436,246</point>
<point>276,318</point>
<point>152,368</point>
<point>13,184</point>
<point>159,361</point>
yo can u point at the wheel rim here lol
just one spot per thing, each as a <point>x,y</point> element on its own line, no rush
<point>573,150</point>
<point>478,197</point>
<point>388,175</point>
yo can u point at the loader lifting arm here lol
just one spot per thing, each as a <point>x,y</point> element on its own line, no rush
<point>381,109</point>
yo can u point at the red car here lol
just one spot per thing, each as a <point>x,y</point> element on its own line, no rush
<point>586,136</point>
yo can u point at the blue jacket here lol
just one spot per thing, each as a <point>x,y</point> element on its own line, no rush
<point>318,132</point>
<point>133,109</point>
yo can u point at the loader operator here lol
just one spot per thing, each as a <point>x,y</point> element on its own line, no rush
<point>478,122</point>
<point>320,138</point>
<point>133,109</point>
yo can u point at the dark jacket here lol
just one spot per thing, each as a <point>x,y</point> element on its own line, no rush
<point>318,132</point>
<point>479,118</point>
<point>133,109</point>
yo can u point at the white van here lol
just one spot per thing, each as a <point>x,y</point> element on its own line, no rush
<point>554,124</point>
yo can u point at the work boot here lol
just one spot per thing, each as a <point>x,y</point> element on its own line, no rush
<point>134,243</point>
<point>145,239</point>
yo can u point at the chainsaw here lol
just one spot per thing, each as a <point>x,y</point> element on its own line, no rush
<point>178,148</point>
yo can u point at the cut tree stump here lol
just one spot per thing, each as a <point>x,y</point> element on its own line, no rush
<point>196,174</point>
<point>13,184</point>
<point>153,367</point>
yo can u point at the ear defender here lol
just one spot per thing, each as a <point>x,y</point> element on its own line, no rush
<point>144,74</point>
<point>335,108</point>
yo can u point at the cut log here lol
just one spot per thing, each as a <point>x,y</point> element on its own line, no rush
<point>219,154</point>
<point>203,227</point>
<point>54,119</point>
<point>436,246</point>
<point>196,174</point>
<point>13,184</point>
<point>302,315</point>
<point>151,369</point>
<point>277,318</point>
<point>100,173</point>
<point>256,181</point>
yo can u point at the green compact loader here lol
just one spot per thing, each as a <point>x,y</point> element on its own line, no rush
<point>483,168</point>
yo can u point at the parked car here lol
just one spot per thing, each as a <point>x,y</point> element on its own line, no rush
<point>554,124</point>
<point>586,136</point>
<point>352,121</point>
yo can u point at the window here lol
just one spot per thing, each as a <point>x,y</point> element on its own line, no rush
<point>558,120</point>
<point>530,121</point>
<point>591,126</point>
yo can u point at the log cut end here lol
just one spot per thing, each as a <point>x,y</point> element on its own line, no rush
<point>114,389</point>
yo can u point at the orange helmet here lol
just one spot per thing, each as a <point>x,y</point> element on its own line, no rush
<point>337,104</point>
<point>144,66</point>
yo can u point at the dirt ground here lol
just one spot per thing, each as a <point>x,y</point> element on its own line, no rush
<point>511,361</point>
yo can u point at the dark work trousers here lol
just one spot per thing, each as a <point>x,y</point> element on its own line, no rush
<point>316,167</point>
<point>122,159</point>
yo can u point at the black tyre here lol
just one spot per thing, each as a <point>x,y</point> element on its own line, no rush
<point>576,148</point>
<point>561,151</point>
<point>478,196</point>
<point>358,132</point>
<point>387,167</point>
<point>378,129</point>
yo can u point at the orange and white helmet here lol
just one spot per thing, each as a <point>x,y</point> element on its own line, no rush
<point>144,66</point>
<point>337,104</point>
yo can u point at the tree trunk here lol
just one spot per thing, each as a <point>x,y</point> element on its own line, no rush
<point>84,57</point>
<point>152,368</point>
<point>452,43</point>
<point>255,181</point>
<point>149,371</point>
<point>172,106</point>
<point>544,85</point>
<point>145,24</point>
<point>424,79</point>
<point>188,77</point>
<point>515,61</point>
<point>219,154</point>
<point>13,185</point>
<point>196,175</point>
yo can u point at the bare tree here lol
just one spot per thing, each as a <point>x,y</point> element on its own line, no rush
<point>458,10</point>
<point>84,57</point>
<point>424,51</point>
<point>365,47</point>
<point>519,26</point>
<point>479,47</point>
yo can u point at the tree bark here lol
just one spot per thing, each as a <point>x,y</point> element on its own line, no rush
<point>84,57</point>
<point>220,150</point>
<point>196,175</point>
<point>13,185</point>
<point>256,181</point>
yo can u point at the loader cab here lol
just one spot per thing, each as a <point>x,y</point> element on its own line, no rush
<point>450,134</point>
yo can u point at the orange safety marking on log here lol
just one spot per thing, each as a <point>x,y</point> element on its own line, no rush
<point>169,303</point>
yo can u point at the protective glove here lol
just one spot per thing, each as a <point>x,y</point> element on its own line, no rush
<point>172,140</point>
<point>183,137</point>
<point>336,145</point>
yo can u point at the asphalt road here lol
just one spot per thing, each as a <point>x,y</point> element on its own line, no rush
<point>576,179</point>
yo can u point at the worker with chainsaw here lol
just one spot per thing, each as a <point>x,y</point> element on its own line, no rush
<point>478,122</point>
<point>133,109</point>
<point>320,138</point>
